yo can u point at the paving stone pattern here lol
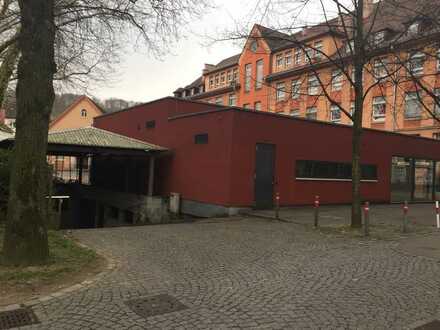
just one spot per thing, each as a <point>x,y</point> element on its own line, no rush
<point>249,274</point>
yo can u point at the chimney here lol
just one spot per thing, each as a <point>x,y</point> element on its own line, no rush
<point>369,7</point>
<point>208,67</point>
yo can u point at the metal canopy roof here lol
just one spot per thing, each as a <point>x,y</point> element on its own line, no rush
<point>92,140</point>
<point>96,137</point>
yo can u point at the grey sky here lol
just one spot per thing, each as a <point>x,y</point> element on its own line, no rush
<point>143,78</point>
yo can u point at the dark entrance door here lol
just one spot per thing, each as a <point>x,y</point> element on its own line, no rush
<point>87,214</point>
<point>264,175</point>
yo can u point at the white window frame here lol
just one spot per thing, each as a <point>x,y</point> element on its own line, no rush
<point>380,68</point>
<point>438,60</point>
<point>416,63</point>
<point>279,61</point>
<point>378,112</point>
<point>412,99</point>
<point>312,111</point>
<point>247,77</point>
<point>335,114</point>
<point>235,74</point>
<point>318,51</point>
<point>308,55</point>
<point>413,28</point>
<point>257,105</point>
<point>337,77</point>
<point>259,74</point>
<point>232,99</point>
<point>288,58</point>
<point>313,85</point>
<point>218,100</point>
<point>229,76</point>
<point>298,56</point>
<point>280,91</point>
<point>295,89</point>
<point>436,104</point>
<point>349,47</point>
<point>352,109</point>
<point>295,113</point>
<point>379,37</point>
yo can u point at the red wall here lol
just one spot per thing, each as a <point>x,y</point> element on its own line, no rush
<point>197,172</point>
<point>222,171</point>
<point>297,139</point>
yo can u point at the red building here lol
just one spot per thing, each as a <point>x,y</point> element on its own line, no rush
<point>225,159</point>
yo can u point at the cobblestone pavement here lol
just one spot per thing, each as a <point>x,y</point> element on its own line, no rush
<point>250,273</point>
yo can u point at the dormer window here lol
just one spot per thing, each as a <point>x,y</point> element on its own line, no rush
<point>414,28</point>
<point>83,113</point>
<point>349,47</point>
<point>379,37</point>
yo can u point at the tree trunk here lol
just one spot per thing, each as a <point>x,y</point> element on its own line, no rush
<point>358,66</point>
<point>25,239</point>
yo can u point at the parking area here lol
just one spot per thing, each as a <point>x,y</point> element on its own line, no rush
<point>248,273</point>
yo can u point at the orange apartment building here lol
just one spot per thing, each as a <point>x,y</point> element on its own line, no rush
<point>273,73</point>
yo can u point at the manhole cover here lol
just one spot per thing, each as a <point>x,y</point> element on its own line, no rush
<point>156,305</point>
<point>17,318</point>
<point>434,325</point>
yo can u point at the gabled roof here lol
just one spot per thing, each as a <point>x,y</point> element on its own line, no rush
<point>395,15</point>
<point>73,105</point>
<point>273,38</point>
<point>227,62</point>
<point>96,137</point>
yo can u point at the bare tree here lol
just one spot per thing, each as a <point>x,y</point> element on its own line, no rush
<point>56,38</point>
<point>371,39</point>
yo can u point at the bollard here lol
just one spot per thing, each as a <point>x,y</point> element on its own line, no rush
<point>367,219</point>
<point>405,217</point>
<point>316,211</point>
<point>277,205</point>
<point>437,214</point>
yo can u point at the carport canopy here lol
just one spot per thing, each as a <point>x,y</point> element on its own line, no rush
<point>92,141</point>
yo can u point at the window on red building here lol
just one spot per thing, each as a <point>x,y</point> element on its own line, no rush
<point>281,91</point>
<point>247,77</point>
<point>379,109</point>
<point>259,76</point>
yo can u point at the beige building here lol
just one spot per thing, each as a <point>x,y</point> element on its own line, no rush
<point>79,114</point>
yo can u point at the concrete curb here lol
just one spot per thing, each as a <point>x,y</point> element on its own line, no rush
<point>111,265</point>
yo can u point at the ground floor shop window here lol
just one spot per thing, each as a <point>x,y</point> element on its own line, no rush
<point>414,179</point>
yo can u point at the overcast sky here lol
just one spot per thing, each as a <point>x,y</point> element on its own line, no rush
<point>142,78</point>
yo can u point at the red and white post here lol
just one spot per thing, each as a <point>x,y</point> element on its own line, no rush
<point>437,214</point>
<point>405,217</point>
<point>367,219</point>
<point>277,205</point>
<point>316,211</point>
